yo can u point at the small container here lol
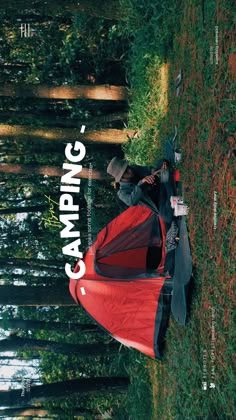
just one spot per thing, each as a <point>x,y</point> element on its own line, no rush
<point>176,199</point>
<point>178,157</point>
<point>176,175</point>
<point>181,210</point>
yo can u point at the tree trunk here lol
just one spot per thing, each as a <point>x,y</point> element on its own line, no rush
<point>61,390</point>
<point>14,343</point>
<point>65,135</point>
<point>41,412</point>
<point>26,324</point>
<point>12,70</point>
<point>96,92</point>
<point>35,17</point>
<point>26,209</point>
<point>31,170</point>
<point>57,121</point>
<point>19,379</point>
<point>13,65</point>
<point>23,412</point>
<point>106,9</point>
<point>10,278</point>
<point>23,358</point>
<point>35,296</point>
<point>33,197</point>
<point>17,365</point>
<point>32,264</point>
<point>53,280</point>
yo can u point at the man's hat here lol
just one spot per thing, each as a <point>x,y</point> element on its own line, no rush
<point>116,168</point>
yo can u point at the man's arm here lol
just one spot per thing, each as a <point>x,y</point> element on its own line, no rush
<point>131,194</point>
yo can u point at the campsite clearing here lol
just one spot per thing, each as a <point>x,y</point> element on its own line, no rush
<point>197,380</point>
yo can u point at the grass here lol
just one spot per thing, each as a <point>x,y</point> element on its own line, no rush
<point>146,118</point>
<point>204,115</point>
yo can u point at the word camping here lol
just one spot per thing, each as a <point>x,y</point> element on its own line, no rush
<point>66,204</point>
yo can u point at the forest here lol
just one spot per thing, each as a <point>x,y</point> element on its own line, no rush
<point>110,67</point>
<point>61,68</point>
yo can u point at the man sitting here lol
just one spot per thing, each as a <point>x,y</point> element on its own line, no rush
<point>141,185</point>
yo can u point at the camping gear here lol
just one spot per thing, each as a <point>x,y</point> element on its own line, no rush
<point>178,155</point>
<point>179,83</point>
<point>171,151</point>
<point>176,200</point>
<point>173,154</point>
<point>182,274</point>
<point>172,237</point>
<point>177,203</point>
<point>130,301</point>
<point>180,209</point>
<point>129,296</point>
<point>176,175</point>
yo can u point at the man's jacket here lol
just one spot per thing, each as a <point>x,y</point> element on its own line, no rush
<point>132,194</point>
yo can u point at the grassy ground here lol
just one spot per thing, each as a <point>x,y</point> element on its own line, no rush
<point>202,47</point>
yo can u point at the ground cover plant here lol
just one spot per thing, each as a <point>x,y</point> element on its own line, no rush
<point>196,377</point>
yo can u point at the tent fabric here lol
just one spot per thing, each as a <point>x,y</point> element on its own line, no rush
<point>129,311</point>
<point>117,290</point>
<point>123,249</point>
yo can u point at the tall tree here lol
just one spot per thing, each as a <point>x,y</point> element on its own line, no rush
<point>26,324</point>
<point>18,379</point>
<point>14,343</point>
<point>30,264</point>
<point>65,389</point>
<point>97,92</point>
<point>107,9</point>
<point>53,120</point>
<point>15,168</point>
<point>33,280</point>
<point>20,200</point>
<point>25,132</point>
<point>35,296</point>
<point>16,357</point>
<point>14,65</point>
<point>26,209</point>
<point>41,412</point>
<point>18,365</point>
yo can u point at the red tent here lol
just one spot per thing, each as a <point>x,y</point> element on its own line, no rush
<point>118,291</point>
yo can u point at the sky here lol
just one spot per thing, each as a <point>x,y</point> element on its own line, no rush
<point>16,368</point>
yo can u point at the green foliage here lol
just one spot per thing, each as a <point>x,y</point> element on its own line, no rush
<point>147,112</point>
<point>205,168</point>
<point>99,42</point>
<point>66,52</point>
<point>56,367</point>
<point>151,26</point>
